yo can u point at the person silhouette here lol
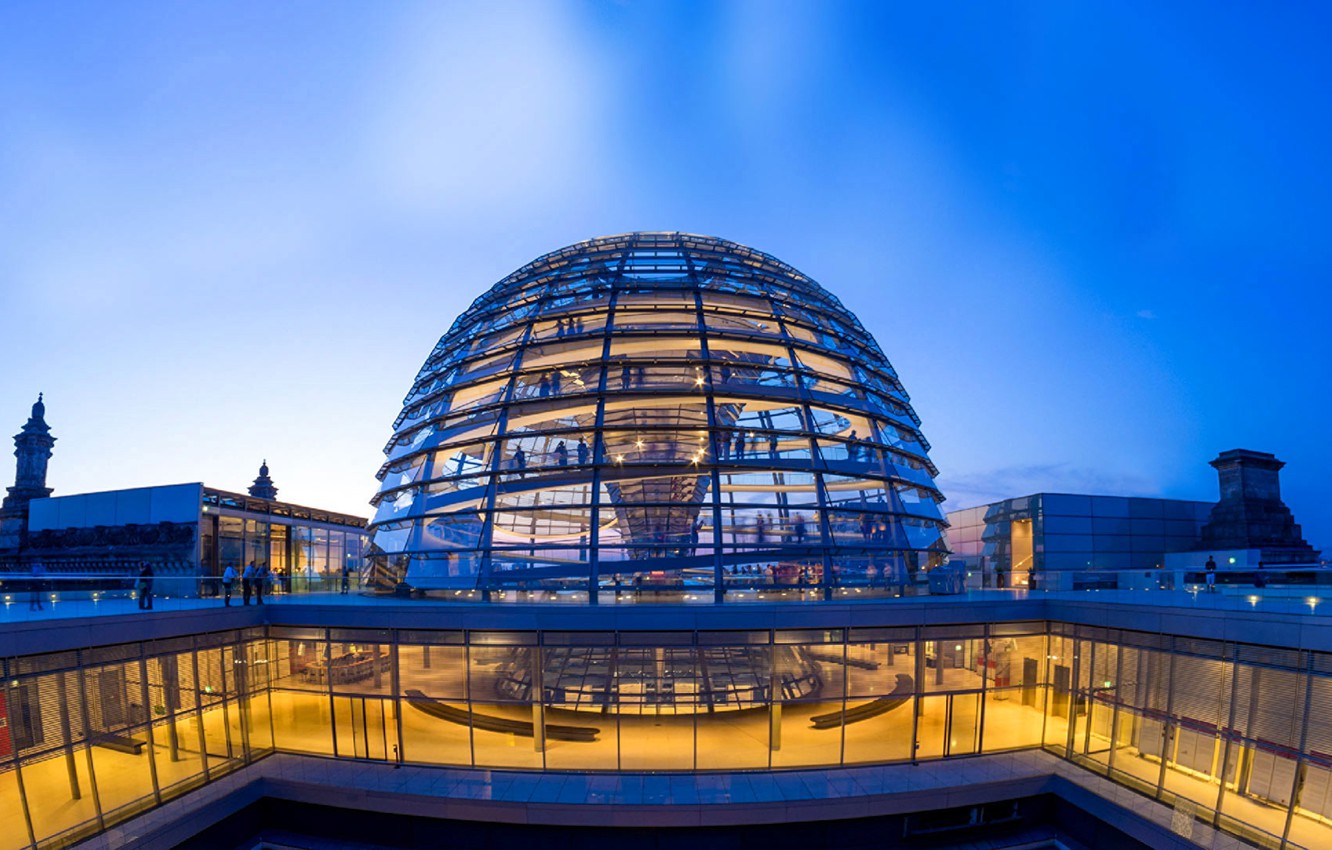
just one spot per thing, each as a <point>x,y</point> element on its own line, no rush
<point>146,588</point>
<point>36,587</point>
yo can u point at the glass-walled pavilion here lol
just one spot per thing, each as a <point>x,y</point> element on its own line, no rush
<point>1220,730</point>
<point>304,548</point>
<point>191,530</point>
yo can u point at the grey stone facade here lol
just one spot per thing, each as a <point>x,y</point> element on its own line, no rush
<point>1250,513</point>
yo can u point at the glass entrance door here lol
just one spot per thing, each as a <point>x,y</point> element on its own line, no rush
<point>367,728</point>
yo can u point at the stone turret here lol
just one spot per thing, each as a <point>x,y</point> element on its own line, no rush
<point>1250,514</point>
<point>32,447</point>
<point>263,488</point>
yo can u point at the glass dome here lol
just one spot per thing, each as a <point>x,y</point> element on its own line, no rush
<point>660,414</point>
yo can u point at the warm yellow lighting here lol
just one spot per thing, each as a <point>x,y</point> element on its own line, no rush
<point>1253,600</point>
<point>619,458</point>
<point>638,444</point>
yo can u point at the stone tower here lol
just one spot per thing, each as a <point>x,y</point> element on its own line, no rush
<point>263,488</point>
<point>32,447</point>
<point>1250,514</point>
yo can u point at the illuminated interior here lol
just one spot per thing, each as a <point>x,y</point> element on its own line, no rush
<point>93,737</point>
<point>657,413</point>
<point>1023,554</point>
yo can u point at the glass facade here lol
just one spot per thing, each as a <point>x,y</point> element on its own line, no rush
<point>1011,541</point>
<point>305,549</point>
<point>660,413</point>
<point>93,737</point>
<point>1220,731</point>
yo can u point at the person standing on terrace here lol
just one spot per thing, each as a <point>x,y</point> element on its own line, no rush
<point>228,581</point>
<point>37,586</point>
<point>146,588</point>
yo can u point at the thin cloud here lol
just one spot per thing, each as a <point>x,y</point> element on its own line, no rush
<point>969,490</point>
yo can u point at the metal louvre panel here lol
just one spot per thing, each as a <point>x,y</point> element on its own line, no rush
<point>1271,656</point>
<point>1061,651</point>
<point>1131,676</point>
<point>1226,696</point>
<point>1242,696</point>
<point>1088,652</point>
<point>1145,640</point>
<point>308,633</point>
<point>1321,661</point>
<point>1095,633</point>
<point>45,713</point>
<point>1197,684</point>
<point>211,681</point>
<point>1198,646</point>
<point>165,646</point>
<point>214,639</point>
<point>952,632</point>
<point>1146,676</point>
<point>1319,736</point>
<point>1015,629</point>
<point>1277,706</point>
<point>110,654</point>
<point>33,664</point>
<point>1106,666</point>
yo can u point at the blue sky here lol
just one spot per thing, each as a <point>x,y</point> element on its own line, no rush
<point>1091,238</point>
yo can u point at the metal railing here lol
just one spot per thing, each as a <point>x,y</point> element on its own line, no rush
<point>28,595</point>
<point>1300,588</point>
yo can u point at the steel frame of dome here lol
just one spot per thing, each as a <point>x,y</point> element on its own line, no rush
<point>739,429</point>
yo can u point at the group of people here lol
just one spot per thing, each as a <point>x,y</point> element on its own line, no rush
<point>764,529</point>
<point>561,454</point>
<point>743,442</point>
<point>568,327</point>
<point>549,384</point>
<point>255,580</point>
<point>856,447</point>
